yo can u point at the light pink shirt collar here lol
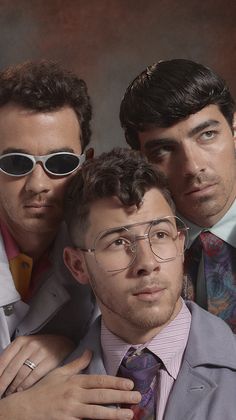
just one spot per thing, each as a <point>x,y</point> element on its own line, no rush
<point>168,345</point>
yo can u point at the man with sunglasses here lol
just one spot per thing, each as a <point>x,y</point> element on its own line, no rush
<point>181,114</point>
<point>129,246</point>
<point>45,115</point>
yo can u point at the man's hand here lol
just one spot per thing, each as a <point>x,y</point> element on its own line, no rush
<point>65,395</point>
<point>45,351</point>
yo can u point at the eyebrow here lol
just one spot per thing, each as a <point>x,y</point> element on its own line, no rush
<point>19,150</point>
<point>168,141</point>
<point>115,230</point>
<point>203,126</point>
<point>127,227</point>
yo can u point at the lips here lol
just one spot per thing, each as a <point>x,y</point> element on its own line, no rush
<point>148,290</point>
<point>199,188</point>
<point>39,204</point>
<point>149,294</point>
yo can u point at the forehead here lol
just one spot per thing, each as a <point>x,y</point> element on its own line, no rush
<point>38,132</point>
<point>110,213</point>
<point>210,116</point>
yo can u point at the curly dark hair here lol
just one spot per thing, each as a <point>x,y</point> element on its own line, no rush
<point>43,87</point>
<point>169,91</point>
<point>123,173</point>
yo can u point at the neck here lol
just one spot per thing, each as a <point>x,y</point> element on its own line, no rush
<point>135,334</point>
<point>33,244</point>
<point>208,220</point>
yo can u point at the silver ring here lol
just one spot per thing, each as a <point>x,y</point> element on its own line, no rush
<point>30,364</point>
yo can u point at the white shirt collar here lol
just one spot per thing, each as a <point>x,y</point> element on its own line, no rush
<point>224,229</point>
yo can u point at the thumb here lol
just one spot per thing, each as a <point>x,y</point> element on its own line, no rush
<point>78,364</point>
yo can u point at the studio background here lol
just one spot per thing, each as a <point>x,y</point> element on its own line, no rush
<point>108,42</point>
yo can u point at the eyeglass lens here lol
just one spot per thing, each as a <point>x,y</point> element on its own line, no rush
<point>16,164</point>
<point>62,164</point>
<point>116,250</point>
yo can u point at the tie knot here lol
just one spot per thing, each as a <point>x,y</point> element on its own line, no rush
<point>142,368</point>
<point>212,245</point>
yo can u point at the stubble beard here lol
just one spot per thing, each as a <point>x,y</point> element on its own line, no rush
<point>141,318</point>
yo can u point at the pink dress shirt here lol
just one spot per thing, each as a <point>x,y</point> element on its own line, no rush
<point>168,345</point>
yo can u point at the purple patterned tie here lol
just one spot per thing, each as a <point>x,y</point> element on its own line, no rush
<point>143,369</point>
<point>220,275</point>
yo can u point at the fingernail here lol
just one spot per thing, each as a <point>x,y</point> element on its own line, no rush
<point>128,384</point>
<point>136,397</point>
<point>128,415</point>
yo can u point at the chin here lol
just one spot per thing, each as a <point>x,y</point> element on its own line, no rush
<point>152,318</point>
<point>40,228</point>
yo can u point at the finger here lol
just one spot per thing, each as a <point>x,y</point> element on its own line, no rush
<point>104,381</point>
<point>26,377</point>
<point>109,396</point>
<point>23,375</point>
<point>9,353</point>
<point>10,373</point>
<point>104,413</point>
<point>23,382</point>
<point>16,372</point>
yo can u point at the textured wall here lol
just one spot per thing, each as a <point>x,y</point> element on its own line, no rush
<point>108,42</point>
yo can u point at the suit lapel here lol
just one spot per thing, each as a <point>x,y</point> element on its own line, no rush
<point>191,389</point>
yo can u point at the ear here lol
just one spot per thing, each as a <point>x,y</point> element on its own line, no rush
<point>89,153</point>
<point>74,260</point>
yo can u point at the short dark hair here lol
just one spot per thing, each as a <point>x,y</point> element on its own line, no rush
<point>123,173</point>
<point>44,86</point>
<point>169,91</point>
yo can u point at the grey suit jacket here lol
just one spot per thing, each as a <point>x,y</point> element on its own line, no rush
<point>60,305</point>
<point>205,388</point>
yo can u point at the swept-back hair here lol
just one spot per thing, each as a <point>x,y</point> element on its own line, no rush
<point>169,91</point>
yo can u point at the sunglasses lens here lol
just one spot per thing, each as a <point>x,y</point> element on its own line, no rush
<point>16,164</point>
<point>62,164</point>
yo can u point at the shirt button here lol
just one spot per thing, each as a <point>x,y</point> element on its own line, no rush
<point>8,310</point>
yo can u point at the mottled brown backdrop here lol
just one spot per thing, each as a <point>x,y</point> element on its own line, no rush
<point>108,42</point>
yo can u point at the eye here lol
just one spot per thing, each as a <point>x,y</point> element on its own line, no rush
<point>119,243</point>
<point>159,153</point>
<point>160,235</point>
<point>208,135</point>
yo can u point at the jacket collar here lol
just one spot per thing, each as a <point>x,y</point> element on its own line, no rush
<point>216,336</point>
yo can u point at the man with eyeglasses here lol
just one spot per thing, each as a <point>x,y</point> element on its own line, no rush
<point>181,115</point>
<point>45,115</point>
<point>129,246</point>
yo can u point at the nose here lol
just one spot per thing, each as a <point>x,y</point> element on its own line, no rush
<point>145,262</point>
<point>38,180</point>
<point>191,159</point>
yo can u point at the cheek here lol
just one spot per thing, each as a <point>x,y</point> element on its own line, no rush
<point>105,284</point>
<point>172,172</point>
<point>10,189</point>
<point>175,273</point>
<point>60,186</point>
